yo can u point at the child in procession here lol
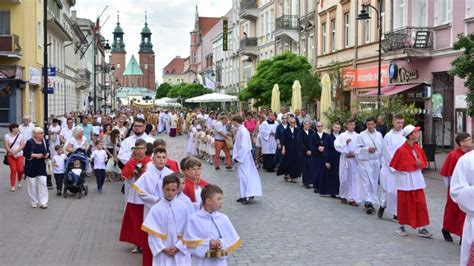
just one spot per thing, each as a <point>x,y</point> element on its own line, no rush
<point>59,168</point>
<point>99,158</point>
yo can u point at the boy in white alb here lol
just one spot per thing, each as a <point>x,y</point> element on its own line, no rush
<point>99,157</point>
<point>165,224</point>
<point>59,168</point>
<point>209,234</point>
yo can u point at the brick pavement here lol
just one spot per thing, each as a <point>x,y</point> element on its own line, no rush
<point>288,226</point>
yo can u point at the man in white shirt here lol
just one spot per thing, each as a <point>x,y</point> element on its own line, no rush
<point>26,128</point>
<point>126,146</point>
<point>66,132</point>
<point>368,153</point>
<point>348,165</point>
<point>388,187</point>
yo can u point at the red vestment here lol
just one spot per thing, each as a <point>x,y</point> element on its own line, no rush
<point>453,220</point>
<point>190,187</point>
<point>128,170</point>
<point>133,216</point>
<point>411,205</point>
<point>172,165</point>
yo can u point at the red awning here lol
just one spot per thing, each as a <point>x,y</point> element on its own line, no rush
<point>392,89</point>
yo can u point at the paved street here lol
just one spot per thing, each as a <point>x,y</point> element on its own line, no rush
<point>288,226</point>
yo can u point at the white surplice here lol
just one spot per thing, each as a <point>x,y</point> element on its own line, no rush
<point>462,192</point>
<point>203,227</point>
<point>149,186</point>
<point>388,181</point>
<point>165,225</point>
<point>247,174</point>
<point>267,137</point>
<point>369,165</point>
<point>348,167</point>
<point>187,201</point>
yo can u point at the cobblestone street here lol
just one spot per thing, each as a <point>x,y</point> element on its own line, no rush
<point>289,225</point>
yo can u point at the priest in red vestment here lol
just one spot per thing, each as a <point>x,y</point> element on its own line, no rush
<point>453,220</point>
<point>408,161</point>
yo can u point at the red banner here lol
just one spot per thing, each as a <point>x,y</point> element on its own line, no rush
<point>365,77</point>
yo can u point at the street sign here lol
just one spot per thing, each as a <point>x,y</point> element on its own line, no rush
<point>50,90</point>
<point>51,71</point>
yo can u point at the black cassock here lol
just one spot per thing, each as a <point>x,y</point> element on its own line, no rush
<point>317,159</point>
<point>307,168</point>
<point>330,179</point>
<point>291,162</point>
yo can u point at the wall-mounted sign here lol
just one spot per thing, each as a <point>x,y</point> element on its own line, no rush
<point>460,102</point>
<point>365,77</point>
<point>421,39</point>
<point>225,33</point>
<point>35,76</point>
<point>393,71</point>
<point>407,75</point>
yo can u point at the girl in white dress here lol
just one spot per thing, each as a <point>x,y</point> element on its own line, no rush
<point>210,147</point>
<point>190,150</point>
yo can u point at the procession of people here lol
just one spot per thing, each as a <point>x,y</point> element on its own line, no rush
<point>168,205</point>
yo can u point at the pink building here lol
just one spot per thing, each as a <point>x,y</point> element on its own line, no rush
<point>419,52</point>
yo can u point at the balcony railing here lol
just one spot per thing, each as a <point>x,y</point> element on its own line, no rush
<point>248,4</point>
<point>248,42</point>
<point>408,38</point>
<point>286,22</point>
<point>84,74</point>
<point>10,43</point>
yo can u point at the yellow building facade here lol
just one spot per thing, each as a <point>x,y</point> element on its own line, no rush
<point>21,60</point>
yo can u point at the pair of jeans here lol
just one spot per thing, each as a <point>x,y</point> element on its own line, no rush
<point>16,169</point>
<point>100,177</point>
<point>59,181</point>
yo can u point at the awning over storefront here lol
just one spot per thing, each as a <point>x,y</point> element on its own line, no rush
<point>393,89</point>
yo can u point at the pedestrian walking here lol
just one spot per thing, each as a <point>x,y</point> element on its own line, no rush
<point>268,142</point>
<point>59,168</point>
<point>209,234</point>
<point>99,158</point>
<point>316,144</point>
<point>36,153</point>
<point>290,166</point>
<point>329,184</point>
<point>165,225</point>
<point>247,174</point>
<point>462,191</point>
<point>306,155</point>
<point>388,186</point>
<point>280,130</point>
<point>368,154</point>
<point>408,161</point>
<point>220,136</point>
<point>14,144</point>
<point>348,165</point>
<point>454,217</point>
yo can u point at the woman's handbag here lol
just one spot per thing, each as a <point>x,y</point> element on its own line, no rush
<point>229,143</point>
<point>47,161</point>
<point>5,160</point>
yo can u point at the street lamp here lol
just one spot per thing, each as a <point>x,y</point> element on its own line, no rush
<point>364,15</point>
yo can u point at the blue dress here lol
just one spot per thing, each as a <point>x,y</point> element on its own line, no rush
<point>317,159</point>
<point>330,179</point>
<point>291,162</point>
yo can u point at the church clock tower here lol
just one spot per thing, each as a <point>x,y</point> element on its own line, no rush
<point>147,57</point>
<point>118,53</point>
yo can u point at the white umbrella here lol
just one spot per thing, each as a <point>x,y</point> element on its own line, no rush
<point>212,98</point>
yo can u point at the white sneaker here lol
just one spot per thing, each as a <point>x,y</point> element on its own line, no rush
<point>19,185</point>
<point>402,231</point>
<point>34,205</point>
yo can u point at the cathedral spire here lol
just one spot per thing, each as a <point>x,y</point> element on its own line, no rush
<point>118,45</point>
<point>146,46</point>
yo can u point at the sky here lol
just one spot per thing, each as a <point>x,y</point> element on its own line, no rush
<point>170,22</point>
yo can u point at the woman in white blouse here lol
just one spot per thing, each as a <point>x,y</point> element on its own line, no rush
<point>78,141</point>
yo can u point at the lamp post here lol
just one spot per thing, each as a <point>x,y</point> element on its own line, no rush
<point>98,41</point>
<point>364,15</point>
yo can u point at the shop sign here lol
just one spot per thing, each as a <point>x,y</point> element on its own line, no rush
<point>366,77</point>
<point>407,75</point>
<point>460,102</point>
<point>393,71</point>
<point>35,76</point>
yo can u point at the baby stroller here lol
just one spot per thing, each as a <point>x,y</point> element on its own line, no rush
<point>72,181</point>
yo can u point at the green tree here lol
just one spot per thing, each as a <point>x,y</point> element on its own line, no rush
<point>283,70</point>
<point>162,90</point>
<point>187,90</point>
<point>463,67</point>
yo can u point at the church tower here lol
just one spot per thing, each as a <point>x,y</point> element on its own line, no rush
<point>147,57</point>
<point>118,53</point>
